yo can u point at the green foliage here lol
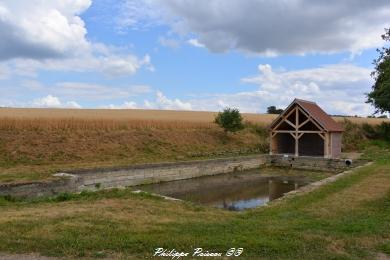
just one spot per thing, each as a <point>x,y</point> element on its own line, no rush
<point>384,131</point>
<point>379,97</point>
<point>352,136</point>
<point>355,134</point>
<point>376,132</point>
<point>260,130</point>
<point>274,110</point>
<point>230,120</point>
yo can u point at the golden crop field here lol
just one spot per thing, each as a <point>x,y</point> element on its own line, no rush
<point>139,116</point>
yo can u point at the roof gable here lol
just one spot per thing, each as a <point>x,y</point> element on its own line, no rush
<point>316,112</point>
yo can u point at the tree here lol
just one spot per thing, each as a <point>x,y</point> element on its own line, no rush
<point>230,120</point>
<point>379,97</point>
<point>274,110</point>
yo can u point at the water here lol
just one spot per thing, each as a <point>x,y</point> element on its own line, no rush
<point>232,191</point>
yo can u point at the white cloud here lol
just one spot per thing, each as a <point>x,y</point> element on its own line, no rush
<point>50,35</point>
<point>99,92</point>
<point>338,88</point>
<point>42,29</point>
<point>162,102</point>
<point>328,76</point>
<point>53,102</point>
<point>125,105</point>
<point>136,15</point>
<point>107,61</point>
<point>166,103</point>
<point>269,27</point>
<point>115,65</point>
<point>195,43</point>
<point>86,91</point>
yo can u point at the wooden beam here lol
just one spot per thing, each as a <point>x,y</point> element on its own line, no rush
<point>296,132</point>
<point>284,118</point>
<point>325,145</point>
<point>304,123</point>
<point>302,131</point>
<point>288,121</point>
<point>322,136</point>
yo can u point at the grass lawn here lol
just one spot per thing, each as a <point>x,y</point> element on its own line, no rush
<point>347,219</point>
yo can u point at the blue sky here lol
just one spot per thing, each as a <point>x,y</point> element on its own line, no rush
<point>189,54</point>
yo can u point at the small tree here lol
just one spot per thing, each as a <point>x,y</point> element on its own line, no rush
<point>379,97</point>
<point>274,110</point>
<point>230,120</point>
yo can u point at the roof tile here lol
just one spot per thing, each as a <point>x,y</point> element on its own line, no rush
<point>320,115</point>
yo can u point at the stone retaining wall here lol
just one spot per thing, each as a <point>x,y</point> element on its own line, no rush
<point>153,173</point>
<point>130,176</point>
<point>313,163</point>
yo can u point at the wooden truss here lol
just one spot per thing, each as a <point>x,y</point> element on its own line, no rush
<point>297,130</point>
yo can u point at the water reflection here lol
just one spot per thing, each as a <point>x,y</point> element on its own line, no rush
<point>229,191</point>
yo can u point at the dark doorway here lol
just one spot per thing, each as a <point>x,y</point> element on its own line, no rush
<point>285,143</point>
<point>311,144</point>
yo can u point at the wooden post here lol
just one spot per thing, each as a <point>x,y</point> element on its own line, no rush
<point>326,145</point>
<point>296,132</point>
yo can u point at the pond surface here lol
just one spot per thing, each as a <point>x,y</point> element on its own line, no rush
<point>233,191</point>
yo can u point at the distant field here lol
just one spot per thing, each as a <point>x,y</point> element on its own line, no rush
<point>148,115</point>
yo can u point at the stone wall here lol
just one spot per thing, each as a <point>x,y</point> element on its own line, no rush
<point>67,183</point>
<point>312,163</point>
<point>130,176</point>
<point>154,173</point>
<point>80,180</point>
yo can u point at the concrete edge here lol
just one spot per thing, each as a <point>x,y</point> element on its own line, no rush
<point>163,164</point>
<point>315,185</point>
<point>157,195</point>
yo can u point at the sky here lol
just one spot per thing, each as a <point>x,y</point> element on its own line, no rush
<point>190,54</point>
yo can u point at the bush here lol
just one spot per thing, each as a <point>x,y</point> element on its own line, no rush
<point>384,131</point>
<point>369,131</point>
<point>230,120</point>
<point>354,134</point>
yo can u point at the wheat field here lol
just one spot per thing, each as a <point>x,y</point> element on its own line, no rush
<point>136,117</point>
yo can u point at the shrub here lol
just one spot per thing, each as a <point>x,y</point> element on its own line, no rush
<point>352,136</point>
<point>384,131</point>
<point>369,131</point>
<point>230,120</point>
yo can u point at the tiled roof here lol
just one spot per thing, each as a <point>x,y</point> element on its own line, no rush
<point>320,116</point>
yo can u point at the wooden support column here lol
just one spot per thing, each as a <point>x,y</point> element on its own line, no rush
<point>326,145</point>
<point>296,132</point>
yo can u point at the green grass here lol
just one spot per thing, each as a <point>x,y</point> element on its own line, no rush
<point>347,219</point>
